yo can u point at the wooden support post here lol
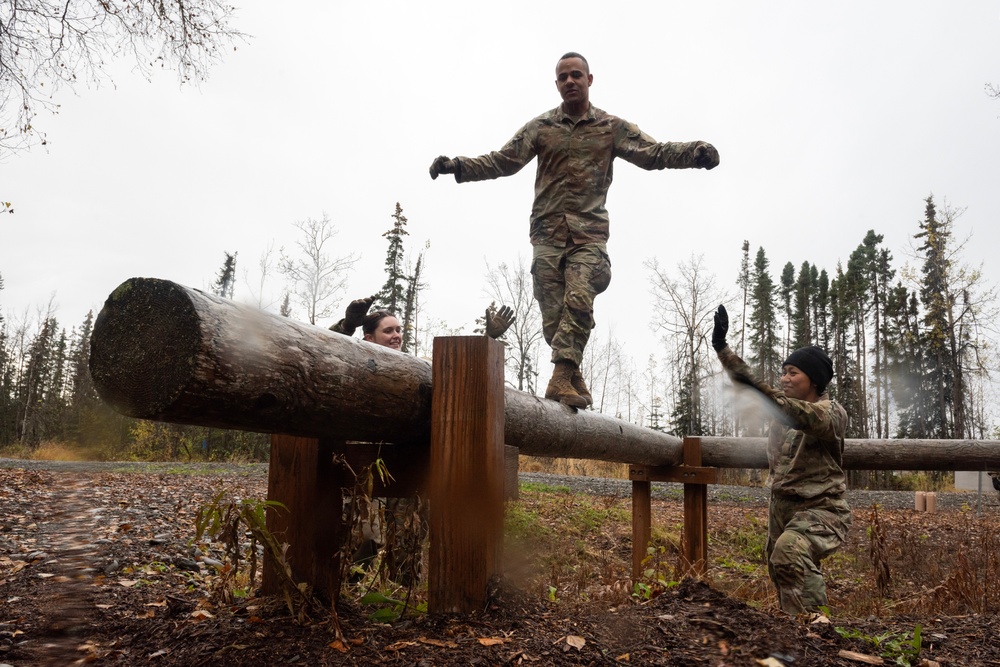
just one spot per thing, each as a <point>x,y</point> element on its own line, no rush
<point>466,472</point>
<point>302,477</point>
<point>642,526</point>
<point>696,480</point>
<point>695,513</point>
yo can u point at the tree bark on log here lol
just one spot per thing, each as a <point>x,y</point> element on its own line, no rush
<point>166,352</point>
<point>171,353</point>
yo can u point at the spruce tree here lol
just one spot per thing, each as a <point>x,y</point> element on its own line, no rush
<point>764,345</point>
<point>802,330</point>
<point>843,350</point>
<point>8,419</point>
<point>822,303</point>
<point>787,286</point>
<point>904,363</point>
<point>937,301</point>
<point>409,323</point>
<point>392,296</point>
<point>34,384</point>
<point>82,394</point>
<point>225,282</point>
<point>743,281</point>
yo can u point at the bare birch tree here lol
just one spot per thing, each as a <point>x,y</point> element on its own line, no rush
<point>684,307</point>
<point>512,286</point>
<point>316,277</point>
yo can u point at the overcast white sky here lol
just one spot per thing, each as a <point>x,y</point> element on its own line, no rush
<point>831,119</point>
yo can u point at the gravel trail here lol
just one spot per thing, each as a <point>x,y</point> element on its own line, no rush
<point>988,500</point>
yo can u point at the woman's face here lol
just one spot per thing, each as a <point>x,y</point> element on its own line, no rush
<point>387,333</point>
<point>797,384</point>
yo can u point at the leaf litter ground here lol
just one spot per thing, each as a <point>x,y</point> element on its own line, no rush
<point>98,568</point>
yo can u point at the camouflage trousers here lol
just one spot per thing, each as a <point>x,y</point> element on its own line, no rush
<point>566,282</point>
<point>800,533</point>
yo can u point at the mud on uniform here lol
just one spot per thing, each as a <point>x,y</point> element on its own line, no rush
<point>569,223</point>
<point>808,518</point>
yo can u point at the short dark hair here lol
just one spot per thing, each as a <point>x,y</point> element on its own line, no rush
<point>372,319</point>
<point>574,54</point>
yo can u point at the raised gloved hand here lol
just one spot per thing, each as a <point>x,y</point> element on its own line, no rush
<point>721,328</point>
<point>705,155</point>
<point>498,322</point>
<point>442,165</point>
<point>354,316</point>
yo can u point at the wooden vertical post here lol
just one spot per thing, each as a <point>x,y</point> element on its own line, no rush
<point>695,513</point>
<point>694,543</point>
<point>466,472</point>
<point>641,525</point>
<point>301,476</point>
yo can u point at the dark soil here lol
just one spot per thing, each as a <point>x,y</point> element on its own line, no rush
<point>100,567</point>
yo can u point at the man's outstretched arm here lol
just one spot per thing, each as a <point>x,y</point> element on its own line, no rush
<point>637,147</point>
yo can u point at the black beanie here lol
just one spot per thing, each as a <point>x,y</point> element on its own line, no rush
<point>814,362</point>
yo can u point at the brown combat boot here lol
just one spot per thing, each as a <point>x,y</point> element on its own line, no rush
<point>561,386</point>
<point>581,386</point>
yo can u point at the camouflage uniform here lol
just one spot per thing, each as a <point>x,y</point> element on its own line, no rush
<point>341,327</point>
<point>404,520</point>
<point>569,223</point>
<point>808,518</point>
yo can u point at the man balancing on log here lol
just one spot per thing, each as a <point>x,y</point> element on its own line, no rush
<point>576,144</point>
<point>808,517</point>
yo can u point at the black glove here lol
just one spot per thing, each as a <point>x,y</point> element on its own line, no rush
<point>498,322</point>
<point>354,316</point>
<point>442,165</point>
<point>721,328</point>
<point>705,155</point>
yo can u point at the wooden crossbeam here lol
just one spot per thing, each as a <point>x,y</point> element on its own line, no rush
<point>696,478</point>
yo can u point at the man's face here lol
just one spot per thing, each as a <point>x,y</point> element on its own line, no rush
<point>573,81</point>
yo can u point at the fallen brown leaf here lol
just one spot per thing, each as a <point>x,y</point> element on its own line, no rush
<point>491,641</point>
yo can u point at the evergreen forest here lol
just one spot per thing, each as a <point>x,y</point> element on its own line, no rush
<point>913,344</point>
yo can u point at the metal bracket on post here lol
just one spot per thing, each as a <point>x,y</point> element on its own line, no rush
<point>696,480</point>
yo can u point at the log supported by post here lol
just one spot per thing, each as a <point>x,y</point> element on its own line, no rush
<point>163,351</point>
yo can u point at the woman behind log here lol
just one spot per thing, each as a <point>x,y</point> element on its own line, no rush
<point>405,519</point>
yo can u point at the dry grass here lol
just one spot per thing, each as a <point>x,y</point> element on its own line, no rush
<point>580,467</point>
<point>577,549</point>
<point>51,451</point>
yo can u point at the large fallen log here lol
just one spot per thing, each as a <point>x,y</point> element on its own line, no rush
<point>166,352</point>
<point>171,353</point>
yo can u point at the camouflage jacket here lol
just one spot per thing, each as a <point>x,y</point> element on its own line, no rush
<point>341,327</point>
<point>574,169</point>
<point>805,448</point>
